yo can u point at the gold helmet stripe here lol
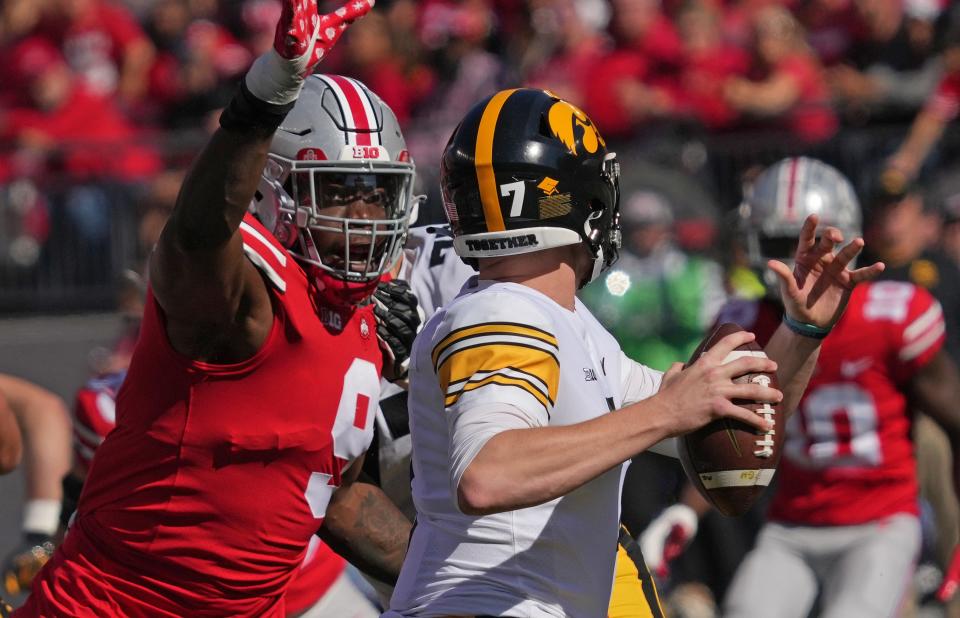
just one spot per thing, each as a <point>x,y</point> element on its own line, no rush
<point>483,160</point>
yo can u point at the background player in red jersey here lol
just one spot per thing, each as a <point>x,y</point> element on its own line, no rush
<point>844,521</point>
<point>250,396</point>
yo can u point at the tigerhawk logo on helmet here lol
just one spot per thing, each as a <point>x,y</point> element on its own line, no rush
<point>505,149</point>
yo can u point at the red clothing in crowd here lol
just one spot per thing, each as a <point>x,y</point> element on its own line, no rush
<point>701,84</point>
<point>945,101</point>
<point>812,118</point>
<point>602,99</point>
<point>95,41</point>
<point>88,134</point>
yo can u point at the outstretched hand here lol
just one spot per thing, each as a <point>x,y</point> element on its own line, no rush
<point>304,36</point>
<point>817,289</point>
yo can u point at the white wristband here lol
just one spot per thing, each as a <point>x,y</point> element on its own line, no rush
<point>683,515</point>
<point>41,516</point>
<point>274,79</point>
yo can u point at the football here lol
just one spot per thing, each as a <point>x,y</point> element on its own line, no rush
<point>730,462</point>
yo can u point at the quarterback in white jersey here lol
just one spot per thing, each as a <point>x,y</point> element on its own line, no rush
<point>435,274</point>
<point>523,409</point>
<point>558,368</point>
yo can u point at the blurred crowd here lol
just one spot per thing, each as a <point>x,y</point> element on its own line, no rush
<point>82,78</point>
<point>104,102</point>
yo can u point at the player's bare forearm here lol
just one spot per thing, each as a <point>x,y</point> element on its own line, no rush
<point>796,356</point>
<point>366,528</point>
<point>925,132</point>
<point>200,249</point>
<point>520,468</point>
<point>935,389</point>
<point>11,445</point>
<point>45,422</point>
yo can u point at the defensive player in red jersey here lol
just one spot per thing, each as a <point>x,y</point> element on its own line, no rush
<point>844,521</point>
<point>250,396</point>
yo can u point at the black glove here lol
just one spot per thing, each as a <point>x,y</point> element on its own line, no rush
<point>398,322</point>
<point>23,564</point>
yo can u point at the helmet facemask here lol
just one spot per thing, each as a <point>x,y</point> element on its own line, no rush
<point>602,231</point>
<point>347,221</point>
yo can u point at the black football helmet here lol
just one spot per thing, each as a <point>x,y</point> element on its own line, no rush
<point>527,171</point>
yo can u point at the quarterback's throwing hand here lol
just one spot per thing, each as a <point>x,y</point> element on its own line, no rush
<point>817,289</point>
<point>692,397</point>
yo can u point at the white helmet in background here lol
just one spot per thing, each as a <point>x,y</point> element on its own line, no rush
<point>339,144</point>
<point>782,197</point>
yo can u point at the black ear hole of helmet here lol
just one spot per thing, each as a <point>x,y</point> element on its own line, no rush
<point>545,130</point>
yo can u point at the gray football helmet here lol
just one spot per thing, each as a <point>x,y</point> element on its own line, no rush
<point>338,144</point>
<point>782,197</point>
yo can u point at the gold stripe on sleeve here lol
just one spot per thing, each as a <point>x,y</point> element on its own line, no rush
<point>538,369</point>
<point>492,328</point>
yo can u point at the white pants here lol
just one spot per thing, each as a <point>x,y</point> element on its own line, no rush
<point>860,571</point>
<point>342,600</point>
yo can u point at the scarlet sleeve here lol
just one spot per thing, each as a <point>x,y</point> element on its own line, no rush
<point>920,336</point>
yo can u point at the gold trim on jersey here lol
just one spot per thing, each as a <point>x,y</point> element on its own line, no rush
<point>502,354</point>
<point>502,380</point>
<point>483,160</point>
<point>491,328</point>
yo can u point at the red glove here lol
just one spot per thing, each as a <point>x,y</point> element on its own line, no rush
<point>302,39</point>
<point>305,35</point>
<point>951,579</point>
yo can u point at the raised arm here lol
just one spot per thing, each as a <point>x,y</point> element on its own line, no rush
<point>198,272</point>
<point>814,293</point>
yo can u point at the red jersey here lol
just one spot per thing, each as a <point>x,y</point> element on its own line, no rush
<point>202,500</point>
<point>94,416</point>
<point>848,456</point>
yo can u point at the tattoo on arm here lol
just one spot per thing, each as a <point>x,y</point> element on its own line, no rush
<point>366,528</point>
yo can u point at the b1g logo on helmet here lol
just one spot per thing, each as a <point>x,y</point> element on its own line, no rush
<point>565,119</point>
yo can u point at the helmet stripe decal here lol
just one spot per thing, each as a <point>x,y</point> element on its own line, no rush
<point>349,136</point>
<point>352,97</point>
<point>792,190</point>
<point>483,160</point>
<point>368,110</point>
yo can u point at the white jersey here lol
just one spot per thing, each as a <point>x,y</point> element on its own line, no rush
<point>503,356</point>
<point>435,274</point>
